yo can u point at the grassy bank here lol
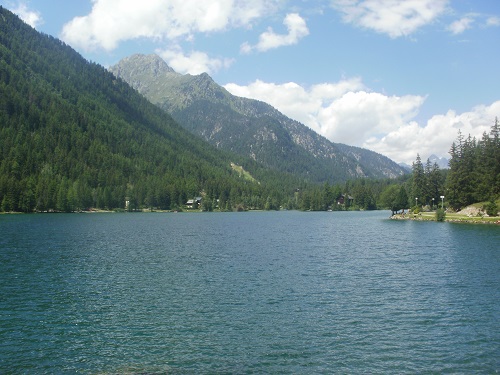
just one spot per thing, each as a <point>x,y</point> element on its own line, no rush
<point>450,217</point>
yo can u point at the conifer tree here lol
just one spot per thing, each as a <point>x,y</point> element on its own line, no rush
<point>419,181</point>
<point>474,169</point>
<point>435,183</point>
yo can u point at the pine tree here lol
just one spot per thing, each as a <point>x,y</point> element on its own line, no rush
<point>435,184</point>
<point>452,181</point>
<point>427,188</point>
<point>492,151</point>
<point>474,169</point>
<point>419,181</point>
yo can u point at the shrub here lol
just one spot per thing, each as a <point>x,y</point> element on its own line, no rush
<point>440,214</point>
<point>491,209</point>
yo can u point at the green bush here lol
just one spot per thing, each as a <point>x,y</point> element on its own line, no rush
<point>491,209</point>
<point>440,214</point>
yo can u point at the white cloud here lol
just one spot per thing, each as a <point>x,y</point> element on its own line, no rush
<point>493,21</point>
<point>297,29</point>
<point>459,26</point>
<point>113,21</point>
<point>347,112</point>
<point>295,101</point>
<point>436,136</point>
<point>31,17</point>
<point>392,17</point>
<point>195,63</point>
<point>359,116</point>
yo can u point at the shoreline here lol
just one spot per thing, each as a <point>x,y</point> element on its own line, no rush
<point>450,218</point>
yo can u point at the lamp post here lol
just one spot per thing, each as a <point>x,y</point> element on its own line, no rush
<point>442,201</point>
<point>433,203</point>
<point>416,200</point>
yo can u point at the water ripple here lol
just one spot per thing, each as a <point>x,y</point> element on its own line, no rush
<point>284,292</point>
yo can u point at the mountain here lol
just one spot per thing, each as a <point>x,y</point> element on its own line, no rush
<point>441,162</point>
<point>249,127</point>
<point>406,166</point>
<point>73,136</point>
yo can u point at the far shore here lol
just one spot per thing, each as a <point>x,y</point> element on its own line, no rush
<point>469,215</point>
<point>451,217</point>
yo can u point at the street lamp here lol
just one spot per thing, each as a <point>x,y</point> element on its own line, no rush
<point>433,203</point>
<point>416,200</point>
<point>442,201</point>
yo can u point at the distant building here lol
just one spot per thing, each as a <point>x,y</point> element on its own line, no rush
<point>345,199</point>
<point>193,203</point>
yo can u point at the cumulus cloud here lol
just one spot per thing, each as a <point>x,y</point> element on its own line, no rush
<point>113,21</point>
<point>31,17</point>
<point>297,29</point>
<point>194,63</point>
<point>436,136</point>
<point>295,101</point>
<point>392,17</point>
<point>347,112</point>
<point>459,26</point>
<point>358,116</point>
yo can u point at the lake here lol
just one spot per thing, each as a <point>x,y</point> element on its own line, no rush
<point>254,292</point>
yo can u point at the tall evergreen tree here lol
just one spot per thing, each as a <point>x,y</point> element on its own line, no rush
<point>419,181</point>
<point>435,184</point>
<point>474,169</point>
<point>452,180</point>
<point>492,160</point>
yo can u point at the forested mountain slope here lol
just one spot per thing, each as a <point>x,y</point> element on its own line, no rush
<point>249,127</point>
<point>73,136</point>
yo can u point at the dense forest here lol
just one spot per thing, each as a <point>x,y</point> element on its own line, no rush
<point>473,176</point>
<point>73,137</point>
<point>474,169</point>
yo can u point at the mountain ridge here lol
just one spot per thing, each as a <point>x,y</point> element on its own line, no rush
<point>247,126</point>
<point>74,137</point>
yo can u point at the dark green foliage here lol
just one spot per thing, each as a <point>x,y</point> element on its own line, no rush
<point>418,180</point>
<point>395,198</point>
<point>474,169</point>
<point>72,137</point>
<point>440,215</point>
<point>364,198</point>
<point>491,209</point>
<point>402,199</point>
<point>427,183</point>
<point>474,174</point>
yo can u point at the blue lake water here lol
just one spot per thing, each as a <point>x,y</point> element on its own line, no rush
<point>256,292</point>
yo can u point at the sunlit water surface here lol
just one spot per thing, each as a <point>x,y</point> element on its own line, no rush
<point>256,292</point>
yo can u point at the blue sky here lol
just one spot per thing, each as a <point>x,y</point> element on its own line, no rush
<point>397,77</point>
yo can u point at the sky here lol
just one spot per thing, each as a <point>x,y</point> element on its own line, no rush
<point>399,77</point>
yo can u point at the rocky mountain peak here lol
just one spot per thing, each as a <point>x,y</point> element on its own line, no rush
<point>441,162</point>
<point>249,127</point>
<point>138,64</point>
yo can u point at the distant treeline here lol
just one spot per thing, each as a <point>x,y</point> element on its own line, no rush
<point>473,176</point>
<point>73,137</point>
<point>474,169</point>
